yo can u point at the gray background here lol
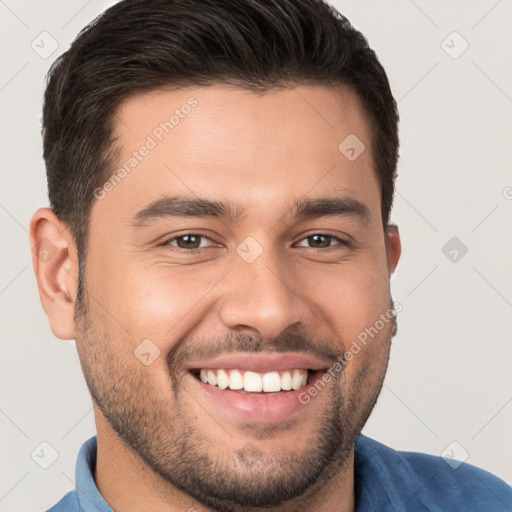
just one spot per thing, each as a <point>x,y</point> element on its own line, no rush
<point>449,386</point>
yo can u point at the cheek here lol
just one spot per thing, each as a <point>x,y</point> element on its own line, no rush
<point>350,299</point>
<point>163,303</point>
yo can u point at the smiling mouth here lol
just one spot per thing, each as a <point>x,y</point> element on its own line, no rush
<point>249,382</point>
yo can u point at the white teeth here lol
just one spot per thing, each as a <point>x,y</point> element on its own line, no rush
<point>298,379</point>
<point>236,380</point>
<point>222,379</point>
<point>212,379</point>
<point>270,382</point>
<point>252,382</point>
<point>286,381</point>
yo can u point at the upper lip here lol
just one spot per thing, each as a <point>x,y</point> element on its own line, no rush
<point>261,363</point>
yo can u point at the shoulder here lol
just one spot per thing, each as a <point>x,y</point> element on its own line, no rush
<point>69,503</point>
<point>428,482</point>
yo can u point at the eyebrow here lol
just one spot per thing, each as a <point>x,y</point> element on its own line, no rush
<point>332,207</point>
<point>180,206</point>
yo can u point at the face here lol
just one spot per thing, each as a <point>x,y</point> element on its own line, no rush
<point>229,268</point>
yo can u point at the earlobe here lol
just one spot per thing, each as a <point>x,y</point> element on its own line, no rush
<point>393,247</point>
<point>55,262</point>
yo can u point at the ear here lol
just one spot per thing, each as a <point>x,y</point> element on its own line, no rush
<point>393,247</point>
<point>55,261</point>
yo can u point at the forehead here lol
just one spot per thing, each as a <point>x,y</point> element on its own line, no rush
<point>222,116</point>
<point>226,142</point>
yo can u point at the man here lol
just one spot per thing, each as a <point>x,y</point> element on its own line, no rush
<point>221,176</point>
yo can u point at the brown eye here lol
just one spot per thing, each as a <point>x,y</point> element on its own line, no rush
<point>321,241</point>
<point>189,241</point>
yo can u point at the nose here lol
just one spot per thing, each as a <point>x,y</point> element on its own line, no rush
<point>261,297</point>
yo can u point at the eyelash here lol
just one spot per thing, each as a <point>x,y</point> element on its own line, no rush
<point>197,250</point>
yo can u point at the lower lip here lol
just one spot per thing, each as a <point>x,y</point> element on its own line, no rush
<point>255,407</point>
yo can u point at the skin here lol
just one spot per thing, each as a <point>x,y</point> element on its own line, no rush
<point>155,430</point>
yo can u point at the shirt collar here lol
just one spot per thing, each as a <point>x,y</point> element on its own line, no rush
<point>89,496</point>
<point>382,478</point>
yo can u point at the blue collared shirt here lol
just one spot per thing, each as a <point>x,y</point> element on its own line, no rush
<point>385,480</point>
